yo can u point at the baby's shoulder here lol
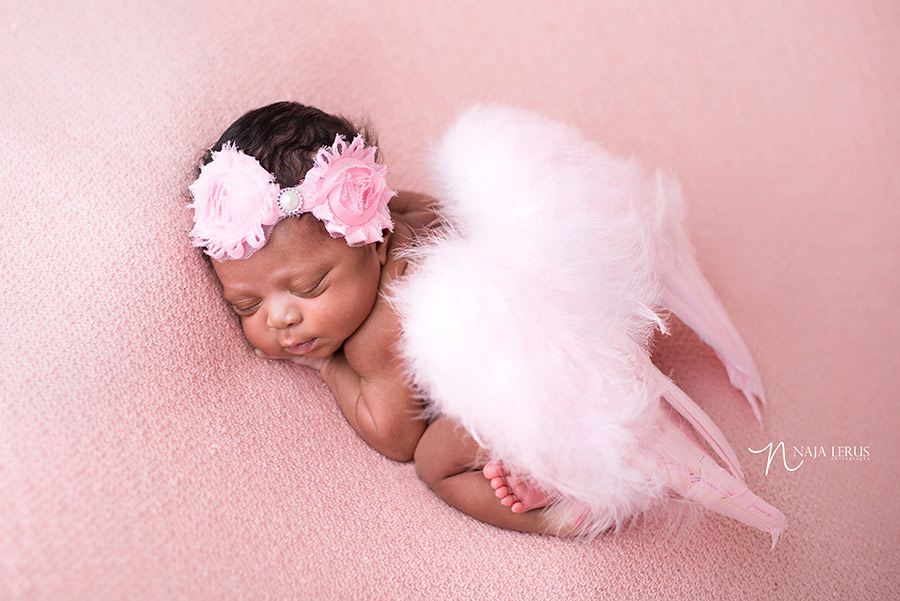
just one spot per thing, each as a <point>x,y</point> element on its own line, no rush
<point>371,350</point>
<point>414,212</point>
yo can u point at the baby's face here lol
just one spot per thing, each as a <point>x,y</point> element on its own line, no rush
<point>304,292</point>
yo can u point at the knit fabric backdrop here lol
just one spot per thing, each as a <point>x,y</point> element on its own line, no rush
<point>146,453</point>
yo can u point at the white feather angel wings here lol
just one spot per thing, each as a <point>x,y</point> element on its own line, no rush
<point>529,319</point>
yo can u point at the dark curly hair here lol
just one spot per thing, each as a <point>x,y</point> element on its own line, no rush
<point>285,136</point>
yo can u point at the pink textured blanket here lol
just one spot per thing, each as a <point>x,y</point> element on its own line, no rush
<point>146,453</point>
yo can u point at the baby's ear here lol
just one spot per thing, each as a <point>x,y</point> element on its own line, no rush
<point>381,248</point>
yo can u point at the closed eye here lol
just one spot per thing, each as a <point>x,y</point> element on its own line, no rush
<point>245,309</point>
<point>313,291</point>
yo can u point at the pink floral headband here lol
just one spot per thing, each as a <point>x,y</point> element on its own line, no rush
<point>237,202</point>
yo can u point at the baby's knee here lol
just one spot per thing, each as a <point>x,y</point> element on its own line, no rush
<point>428,468</point>
<point>444,450</point>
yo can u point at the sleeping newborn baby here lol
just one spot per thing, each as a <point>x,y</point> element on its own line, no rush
<point>505,350</point>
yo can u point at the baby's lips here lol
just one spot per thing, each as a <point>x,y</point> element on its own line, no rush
<point>302,348</point>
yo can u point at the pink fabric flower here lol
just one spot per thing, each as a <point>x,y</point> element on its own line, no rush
<point>347,190</point>
<point>236,200</point>
<point>234,197</point>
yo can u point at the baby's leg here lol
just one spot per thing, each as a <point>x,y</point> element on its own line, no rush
<point>446,459</point>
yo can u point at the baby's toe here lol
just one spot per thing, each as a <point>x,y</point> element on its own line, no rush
<point>493,470</point>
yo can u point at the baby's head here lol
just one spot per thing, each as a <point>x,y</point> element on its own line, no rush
<point>291,206</point>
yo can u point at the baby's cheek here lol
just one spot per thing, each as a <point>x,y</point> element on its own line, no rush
<point>258,335</point>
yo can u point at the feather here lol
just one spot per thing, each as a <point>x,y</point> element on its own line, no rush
<point>529,316</point>
<point>702,423</point>
<point>691,473</point>
<point>688,295</point>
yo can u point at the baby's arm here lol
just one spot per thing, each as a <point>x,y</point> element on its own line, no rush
<point>368,382</point>
<point>378,406</point>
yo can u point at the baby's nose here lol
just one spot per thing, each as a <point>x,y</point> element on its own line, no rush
<point>283,314</point>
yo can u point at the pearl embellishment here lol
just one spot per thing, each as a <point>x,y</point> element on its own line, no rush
<point>289,201</point>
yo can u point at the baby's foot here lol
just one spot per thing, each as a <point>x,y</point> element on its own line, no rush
<point>514,492</point>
